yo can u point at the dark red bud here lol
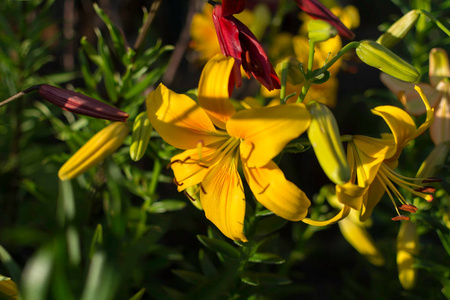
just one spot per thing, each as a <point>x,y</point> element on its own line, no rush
<point>81,104</point>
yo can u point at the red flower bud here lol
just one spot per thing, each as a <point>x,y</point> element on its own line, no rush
<point>81,104</point>
<point>231,7</point>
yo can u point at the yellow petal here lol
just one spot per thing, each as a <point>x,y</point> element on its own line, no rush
<point>369,153</point>
<point>351,194</point>
<point>223,200</point>
<point>343,213</point>
<point>187,168</point>
<point>439,66</point>
<point>410,99</point>
<point>401,124</point>
<point>407,247</point>
<point>213,89</point>
<point>179,120</point>
<point>440,129</point>
<point>371,199</point>
<point>102,144</point>
<point>265,131</point>
<point>277,194</point>
<point>361,240</point>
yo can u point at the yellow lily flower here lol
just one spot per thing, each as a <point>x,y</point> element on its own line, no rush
<point>373,160</point>
<point>438,92</point>
<point>218,140</point>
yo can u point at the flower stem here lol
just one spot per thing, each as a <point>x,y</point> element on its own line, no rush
<point>344,50</point>
<point>284,70</point>
<point>436,21</point>
<point>157,167</point>
<point>18,95</point>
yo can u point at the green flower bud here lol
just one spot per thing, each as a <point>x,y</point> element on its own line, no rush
<point>399,29</point>
<point>323,133</point>
<point>142,129</point>
<point>319,31</point>
<point>380,57</point>
<point>294,74</point>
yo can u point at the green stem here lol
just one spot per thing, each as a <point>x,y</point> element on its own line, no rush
<point>18,95</point>
<point>344,50</point>
<point>303,93</point>
<point>436,21</point>
<point>157,167</point>
<point>311,56</point>
<point>284,70</point>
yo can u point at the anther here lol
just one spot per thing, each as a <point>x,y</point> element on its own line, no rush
<point>408,207</point>
<point>400,218</point>
<point>426,189</point>
<point>431,179</point>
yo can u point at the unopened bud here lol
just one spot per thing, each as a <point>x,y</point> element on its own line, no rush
<point>323,133</point>
<point>294,74</point>
<point>142,129</point>
<point>78,103</point>
<point>102,144</point>
<point>407,247</point>
<point>320,31</point>
<point>380,57</point>
<point>399,29</point>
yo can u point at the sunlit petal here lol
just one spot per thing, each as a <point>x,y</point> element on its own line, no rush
<point>223,200</point>
<point>277,194</point>
<point>179,120</point>
<point>213,89</point>
<point>265,131</point>
<point>439,66</point>
<point>187,168</point>
<point>400,122</point>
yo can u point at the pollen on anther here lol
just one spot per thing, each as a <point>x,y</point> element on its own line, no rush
<point>400,218</point>
<point>408,207</point>
<point>426,189</point>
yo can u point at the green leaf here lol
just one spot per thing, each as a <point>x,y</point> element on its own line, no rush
<point>37,274</point>
<point>219,246</point>
<point>116,35</point>
<point>189,276</point>
<point>107,66</point>
<point>149,80</point>
<point>66,202</point>
<point>138,295</point>
<point>269,225</point>
<point>267,258</point>
<point>102,279</point>
<point>255,278</point>
<point>97,240</point>
<point>445,240</point>
<point>12,267</point>
<point>165,206</point>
